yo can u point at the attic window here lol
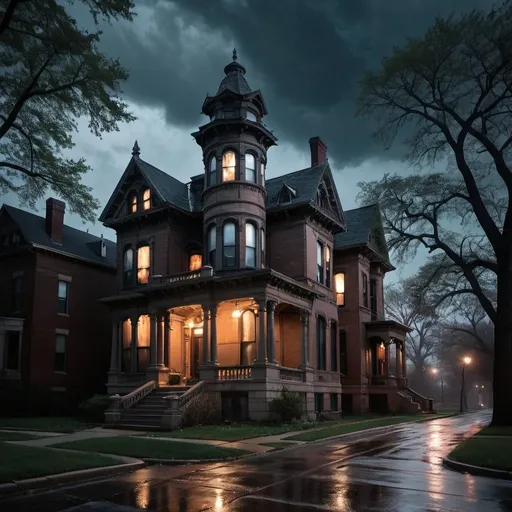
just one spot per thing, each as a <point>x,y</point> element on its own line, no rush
<point>146,199</point>
<point>286,195</point>
<point>133,203</point>
<point>321,198</point>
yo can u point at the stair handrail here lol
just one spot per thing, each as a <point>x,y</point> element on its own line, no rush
<point>190,395</point>
<point>137,395</point>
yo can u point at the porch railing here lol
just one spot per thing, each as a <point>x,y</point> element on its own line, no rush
<point>138,394</point>
<point>326,376</point>
<point>190,395</point>
<point>234,373</point>
<point>293,374</point>
<point>174,278</point>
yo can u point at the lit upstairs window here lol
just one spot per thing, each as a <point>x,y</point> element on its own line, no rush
<point>339,284</point>
<point>195,262</point>
<point>146,199</point>
<point>133,203</point>
<point>143,264</point>
<point>228,166</point>
<point>327,267</point>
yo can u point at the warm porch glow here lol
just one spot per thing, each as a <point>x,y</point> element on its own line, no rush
<point>143,264</point>
<point>339,283</point>
<point>237,313</point>
<point>467,360</point>
<point>382,344</point>
<point>198,331</point>
<point>228,166</point>
<point>195,262</point>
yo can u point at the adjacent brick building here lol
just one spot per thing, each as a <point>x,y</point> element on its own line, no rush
<point>248,284</point>
<point>54,334</point>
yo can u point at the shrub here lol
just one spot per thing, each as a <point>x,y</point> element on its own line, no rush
<point>93,409</point>
<point>287,407</point>
<point>203,410</point>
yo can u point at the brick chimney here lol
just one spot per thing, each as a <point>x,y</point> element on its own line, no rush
<point>55,219</point>
<point>318,151</point>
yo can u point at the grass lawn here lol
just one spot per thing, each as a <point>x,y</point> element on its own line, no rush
<point>485,452</point>
<point>495,431</point>
<point>151,448</point>
<point>63,424</point>
<point>21,462</point>
<point>280,444</point>
<point>17,436</point>
<point>340,429</point>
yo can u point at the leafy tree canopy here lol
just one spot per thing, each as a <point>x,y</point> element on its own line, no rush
<point>52,75</point>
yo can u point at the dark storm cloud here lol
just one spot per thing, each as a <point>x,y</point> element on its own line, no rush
<point>307,56</point>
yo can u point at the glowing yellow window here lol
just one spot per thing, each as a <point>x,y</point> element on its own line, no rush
<point>195,262</point>
<point>133,203</point>
<point>143,264</point>
<point>146,199</point>
<point>339,281</point>
<point>228,166</point>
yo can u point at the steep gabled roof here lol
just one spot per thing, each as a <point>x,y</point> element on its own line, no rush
<point>75,243</point>
<point>364,229</point>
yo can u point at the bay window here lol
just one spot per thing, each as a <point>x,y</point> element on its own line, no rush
<point>212,170</point>
<point>339,284</point>
<point>250,245</point>
<point>228,166</point>
<point>228,245</point>
<point>250,167</point>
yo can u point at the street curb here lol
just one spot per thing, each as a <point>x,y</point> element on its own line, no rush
<point>18,487</point>
<point>184,462</point>
<point>462,467</point>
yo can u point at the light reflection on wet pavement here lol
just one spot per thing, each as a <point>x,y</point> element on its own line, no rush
<point>396,470</point>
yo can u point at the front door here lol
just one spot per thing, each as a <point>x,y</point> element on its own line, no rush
<point>194,357</point>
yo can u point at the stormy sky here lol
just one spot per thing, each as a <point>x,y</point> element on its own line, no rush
<point>307,57</point>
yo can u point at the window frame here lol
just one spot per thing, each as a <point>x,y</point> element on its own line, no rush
<point>328,265</point>
<point>133,201</point>
<point>211,249</point>
<point>63,300</point>
<point>263,243</point>
<point>212,173</point>
<point>253,169</point>
<point>190,256</point>
<point>64,337</point>
<point>146,201</point>
<point>319,264</point>
<point>229,222</point>
<point>321,343</point>
<point>128,279</point>
<point>254,249</point>
<point>246,342</point>
<point>364,284</point>
<point>148,268</point>
<point>340,296</point>
<point>234,167</point>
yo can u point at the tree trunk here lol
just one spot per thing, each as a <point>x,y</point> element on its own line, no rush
<point>502,380</point>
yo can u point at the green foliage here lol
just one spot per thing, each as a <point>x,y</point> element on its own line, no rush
<point>53,75</point>
<point>287,407</point>
<point>93,409</point>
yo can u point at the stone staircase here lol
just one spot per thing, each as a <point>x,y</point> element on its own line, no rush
<point>415,403</point>
<point>147,413</point>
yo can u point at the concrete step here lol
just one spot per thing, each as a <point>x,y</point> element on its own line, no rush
<point>136,426</point>
<point>135,420</point>
<point>148,407</point>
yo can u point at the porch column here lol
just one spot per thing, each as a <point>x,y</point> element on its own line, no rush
<point>398,359</point>
<point>153,335</point>
<point>206,334</point>
<point>271,342</point>
<point>133,348</point>
<point>114,348</point>
<point>404,361</point>
<point>262,356</point>
<point>304,358</point>
<point>160,340</point>
<point>213,335</point>
<point>167,338</point>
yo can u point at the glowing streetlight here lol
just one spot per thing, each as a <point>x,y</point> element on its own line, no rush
<point>467,360</point>
<point>463,400</point>
<point>435,371</point>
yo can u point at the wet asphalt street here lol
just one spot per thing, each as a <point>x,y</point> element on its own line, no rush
<point>394,470</point>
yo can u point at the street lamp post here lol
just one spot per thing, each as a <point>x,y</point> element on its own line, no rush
<point>463,401</point>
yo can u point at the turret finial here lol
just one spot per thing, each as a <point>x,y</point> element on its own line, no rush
<point>235,56</point>
<point>136,149</point>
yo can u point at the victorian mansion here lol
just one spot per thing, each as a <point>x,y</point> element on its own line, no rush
<point>240,286</point>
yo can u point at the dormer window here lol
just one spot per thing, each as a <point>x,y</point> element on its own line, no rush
<point>250,167</point>
<point>133,202</point>
<point>286,194</point>
<point>212,170</point>
<point>228,166</point>
<point>251,116</point>
<point>146,199</point>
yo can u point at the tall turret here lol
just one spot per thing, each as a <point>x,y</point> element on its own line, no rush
<point>234,145</point>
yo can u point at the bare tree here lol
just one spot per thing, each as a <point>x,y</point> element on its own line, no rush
<point>450,92</point>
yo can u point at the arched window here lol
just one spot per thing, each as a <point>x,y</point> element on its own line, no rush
<point>228,166</point>
<point>212,170</point>
<point>250,245</point>
<point>212,245</point>
<point>321,348</point>
<point>128,266</point>
<point>250,167</point>
<point>262,172</point>
<point>248,345</point>
<point>251,116</point>
<point>195,262</point>
<point>262,247</point>
<point>143,264</point>
<point>133,203</point>
<point>228,245</point>
<point>146,199</point>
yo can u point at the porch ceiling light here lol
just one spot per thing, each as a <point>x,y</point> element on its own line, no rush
<point>237,313</point>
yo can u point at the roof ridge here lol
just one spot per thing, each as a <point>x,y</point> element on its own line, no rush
<point>296,172</point>
<point>157,169</point>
